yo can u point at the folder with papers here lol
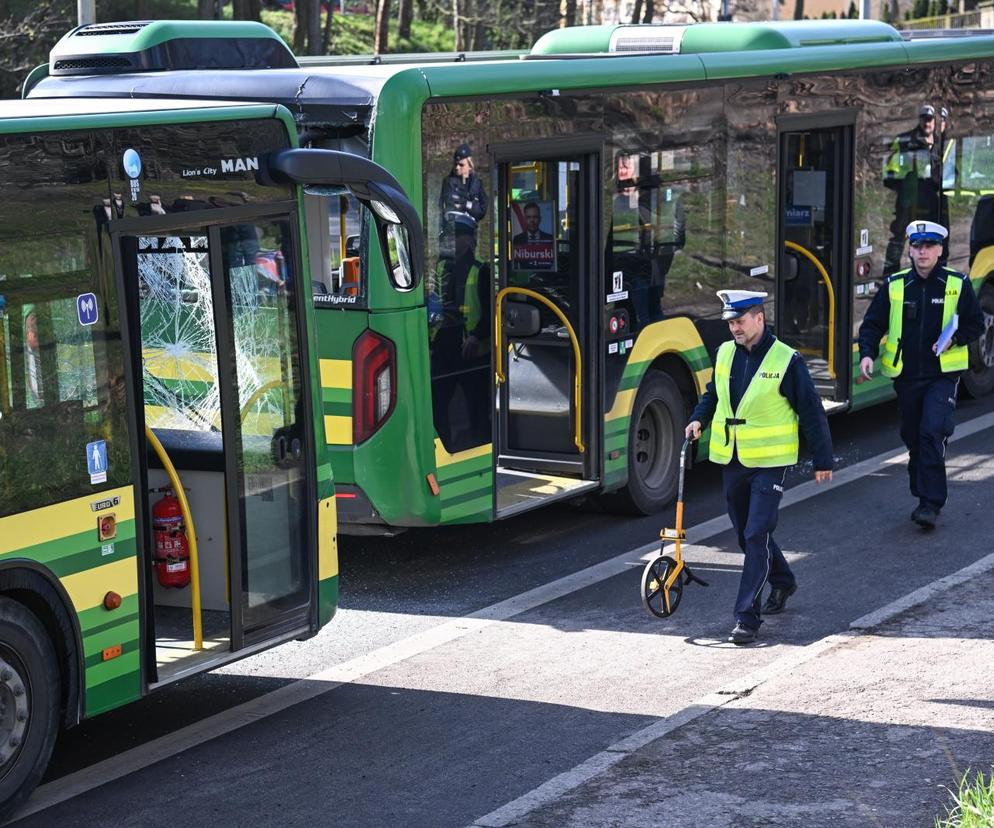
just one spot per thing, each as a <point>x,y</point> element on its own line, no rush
<point>947,334</point>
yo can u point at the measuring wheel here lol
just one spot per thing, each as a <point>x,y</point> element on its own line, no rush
<point>654,597</point>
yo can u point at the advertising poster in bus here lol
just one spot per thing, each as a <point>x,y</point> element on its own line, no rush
<point>533,242</point>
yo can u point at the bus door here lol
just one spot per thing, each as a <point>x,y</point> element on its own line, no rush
<point>546,360</point>
<point>815,259</point>
<point>220,402</point>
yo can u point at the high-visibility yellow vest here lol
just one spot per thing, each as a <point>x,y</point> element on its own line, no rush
<point>762,431</point>
<point>954,358</point>
<point>470,309</point>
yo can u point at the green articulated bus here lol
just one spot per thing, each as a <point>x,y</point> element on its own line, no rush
<point>581,203</point>
<point>158,370</point>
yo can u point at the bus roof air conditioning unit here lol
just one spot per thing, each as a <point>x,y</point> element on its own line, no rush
<point>163,45</point>
<point>655,39</point>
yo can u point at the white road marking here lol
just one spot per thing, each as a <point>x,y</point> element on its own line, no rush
<point>305,689</point>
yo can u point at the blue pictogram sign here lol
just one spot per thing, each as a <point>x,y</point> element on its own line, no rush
<point>96,461</point>
<point>86,308</point>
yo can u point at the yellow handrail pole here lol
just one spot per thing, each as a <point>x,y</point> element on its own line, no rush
<point>191,536</point>
<point>343,206</point>
<point>831,302</point>
<point>578,372</point>
<point>263,389</point>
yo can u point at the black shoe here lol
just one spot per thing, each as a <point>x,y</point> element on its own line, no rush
<point>925,516</point>
<point>777,601</point>
<point>743,634</point>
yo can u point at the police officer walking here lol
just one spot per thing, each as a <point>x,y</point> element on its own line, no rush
<point>760,393</point>
<point>914,307</point>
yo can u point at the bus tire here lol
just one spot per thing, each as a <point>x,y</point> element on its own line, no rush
<point>655,434</point>
<point>29,703</point>
<point>978,379</point>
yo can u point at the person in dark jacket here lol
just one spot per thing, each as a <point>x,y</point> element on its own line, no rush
<point>462,191</point>
<point>760,394</point>
<point>913,308</point>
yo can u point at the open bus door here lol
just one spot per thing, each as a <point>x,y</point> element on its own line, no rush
<point>220,398</point>
<point>546,360</point>
<point>814,276</point>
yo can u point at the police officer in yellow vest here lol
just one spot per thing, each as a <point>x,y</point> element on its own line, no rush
<point>459,316</point>
<point>761,392</point>
<point>913,308</point>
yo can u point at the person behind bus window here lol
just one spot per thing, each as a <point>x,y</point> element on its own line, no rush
<point>459,331</point>
<point>462,194</point>
<point>648,227</point>
<point>32,362</point>
<point>914,171</point>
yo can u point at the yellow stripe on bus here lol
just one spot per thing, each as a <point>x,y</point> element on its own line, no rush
<point>623,402</point>
<point>87,589</point>
<point>60,520</point>
<point>443,458</point>
<point>338,430</point>
<point>336,373</point>
<point>327,539</point>
<point>198,366</point>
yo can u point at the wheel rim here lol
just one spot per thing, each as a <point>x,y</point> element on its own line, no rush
<point>653,444</point>
<point>15,711</point>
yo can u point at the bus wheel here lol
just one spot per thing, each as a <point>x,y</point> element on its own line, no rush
<point>29,703</point>
<point>978,379</point>
<point>655,435</point>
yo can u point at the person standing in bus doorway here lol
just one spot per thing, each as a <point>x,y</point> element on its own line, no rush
<point>761,392</point>
<point>914,171</point>
<point>914,308</point>
<point>460,341</point>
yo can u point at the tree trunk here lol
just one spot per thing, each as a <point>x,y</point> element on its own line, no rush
<point>799,10</point>
<point>382,36</point>
<point>205,9</point>
<point>246,9</point>
<point>457,26</point>
<point>314,28</point>
<point>300,8</point>
<point>569,18</point>
<point>637,12</point>
<point>326,37</point>
<point>405,14</point>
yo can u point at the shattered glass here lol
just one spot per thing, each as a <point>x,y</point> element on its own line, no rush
<point>179,351</point>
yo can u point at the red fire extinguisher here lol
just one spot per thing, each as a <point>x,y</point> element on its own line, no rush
<point>172,552</point>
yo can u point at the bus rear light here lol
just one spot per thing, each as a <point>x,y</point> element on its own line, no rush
<point>374,384</point>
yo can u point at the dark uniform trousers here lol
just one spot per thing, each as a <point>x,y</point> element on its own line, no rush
<point>927,408</point>
<point>753,497</point>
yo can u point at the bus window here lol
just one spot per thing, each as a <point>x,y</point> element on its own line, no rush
<point>60,379</point>
<point>341,281</point>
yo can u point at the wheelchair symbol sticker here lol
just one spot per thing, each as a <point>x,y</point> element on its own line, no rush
<point>86,309</point>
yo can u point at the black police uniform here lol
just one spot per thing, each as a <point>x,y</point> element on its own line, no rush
<point>926,395</point>
<point>753,494</point>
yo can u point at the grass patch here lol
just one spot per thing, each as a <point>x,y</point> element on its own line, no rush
<point>973,805</point>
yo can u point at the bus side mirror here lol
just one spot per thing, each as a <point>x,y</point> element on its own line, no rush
<point>328,172</point>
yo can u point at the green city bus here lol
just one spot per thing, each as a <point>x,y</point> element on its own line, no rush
<point>158,369</point>
<point>660,164</point>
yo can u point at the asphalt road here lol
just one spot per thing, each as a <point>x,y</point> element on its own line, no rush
<point>442,717</point>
